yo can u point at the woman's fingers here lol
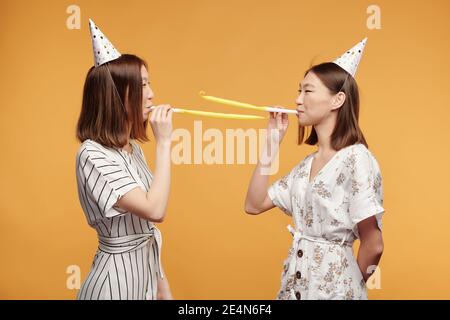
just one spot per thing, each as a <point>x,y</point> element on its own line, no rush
<point>285,119</point>
<point>158,113</point>
<point>152,115</point>
<point>162,112</point>
<point>166,110</point>
<point>170,114</point>
<point>282,119</point>
<point>279,122</point>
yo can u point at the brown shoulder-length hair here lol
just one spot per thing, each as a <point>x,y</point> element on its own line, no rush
<point>111,111</point>
<point>347,131</point>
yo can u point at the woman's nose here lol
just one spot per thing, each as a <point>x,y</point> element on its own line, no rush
<point>299,100</point>
<point>150,95</point>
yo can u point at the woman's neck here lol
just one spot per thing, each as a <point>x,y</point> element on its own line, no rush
<point>324,131</point>
<point>128,148</point>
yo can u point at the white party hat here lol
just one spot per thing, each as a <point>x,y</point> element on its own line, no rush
<point>104,51</point>
<point>349,61</point>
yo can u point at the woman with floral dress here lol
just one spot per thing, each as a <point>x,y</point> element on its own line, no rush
<point>334,195</point>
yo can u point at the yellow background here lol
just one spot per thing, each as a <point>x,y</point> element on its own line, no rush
<point>254,51</point>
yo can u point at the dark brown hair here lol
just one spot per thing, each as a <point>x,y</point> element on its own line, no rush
<point>112,103</point>
<point>347,131</point>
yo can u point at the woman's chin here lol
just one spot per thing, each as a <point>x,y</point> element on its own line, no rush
<point>305,123</point>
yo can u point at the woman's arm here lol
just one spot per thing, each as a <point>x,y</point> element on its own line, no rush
<point>257,200</point>
<point>164,292</point>
<point>371,247</point>
<point>152,205</point>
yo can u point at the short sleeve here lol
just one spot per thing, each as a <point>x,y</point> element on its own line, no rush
<point>366,190</point>
<point>106,180</point>
<point>280,192</point>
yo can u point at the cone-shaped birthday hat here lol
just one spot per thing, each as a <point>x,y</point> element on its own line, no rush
<point>104,51</point>
<point>349,61</point>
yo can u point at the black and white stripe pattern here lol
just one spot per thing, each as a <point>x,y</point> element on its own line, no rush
<point>103,176</point>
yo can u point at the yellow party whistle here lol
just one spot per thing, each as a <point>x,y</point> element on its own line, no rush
<point>215,114</point>
<point>245,105</point>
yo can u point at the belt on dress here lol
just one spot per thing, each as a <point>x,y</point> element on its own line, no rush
<point>297,237</point>
<point>133,242</point>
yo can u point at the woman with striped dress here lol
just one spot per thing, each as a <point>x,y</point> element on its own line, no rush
<point>119,195</point>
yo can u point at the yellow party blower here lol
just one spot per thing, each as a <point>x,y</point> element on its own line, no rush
<point>215,114</point>
<point>245,105</point>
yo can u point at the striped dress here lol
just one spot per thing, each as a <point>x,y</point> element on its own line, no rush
<point>127,263</point>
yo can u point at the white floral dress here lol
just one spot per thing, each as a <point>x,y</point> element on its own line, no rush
<point>325,212</point>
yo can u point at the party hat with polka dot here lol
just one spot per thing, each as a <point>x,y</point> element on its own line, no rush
<point>104,51</point>
<point>349,61</point>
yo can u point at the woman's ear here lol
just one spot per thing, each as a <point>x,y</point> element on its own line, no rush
<point>338,100</point>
